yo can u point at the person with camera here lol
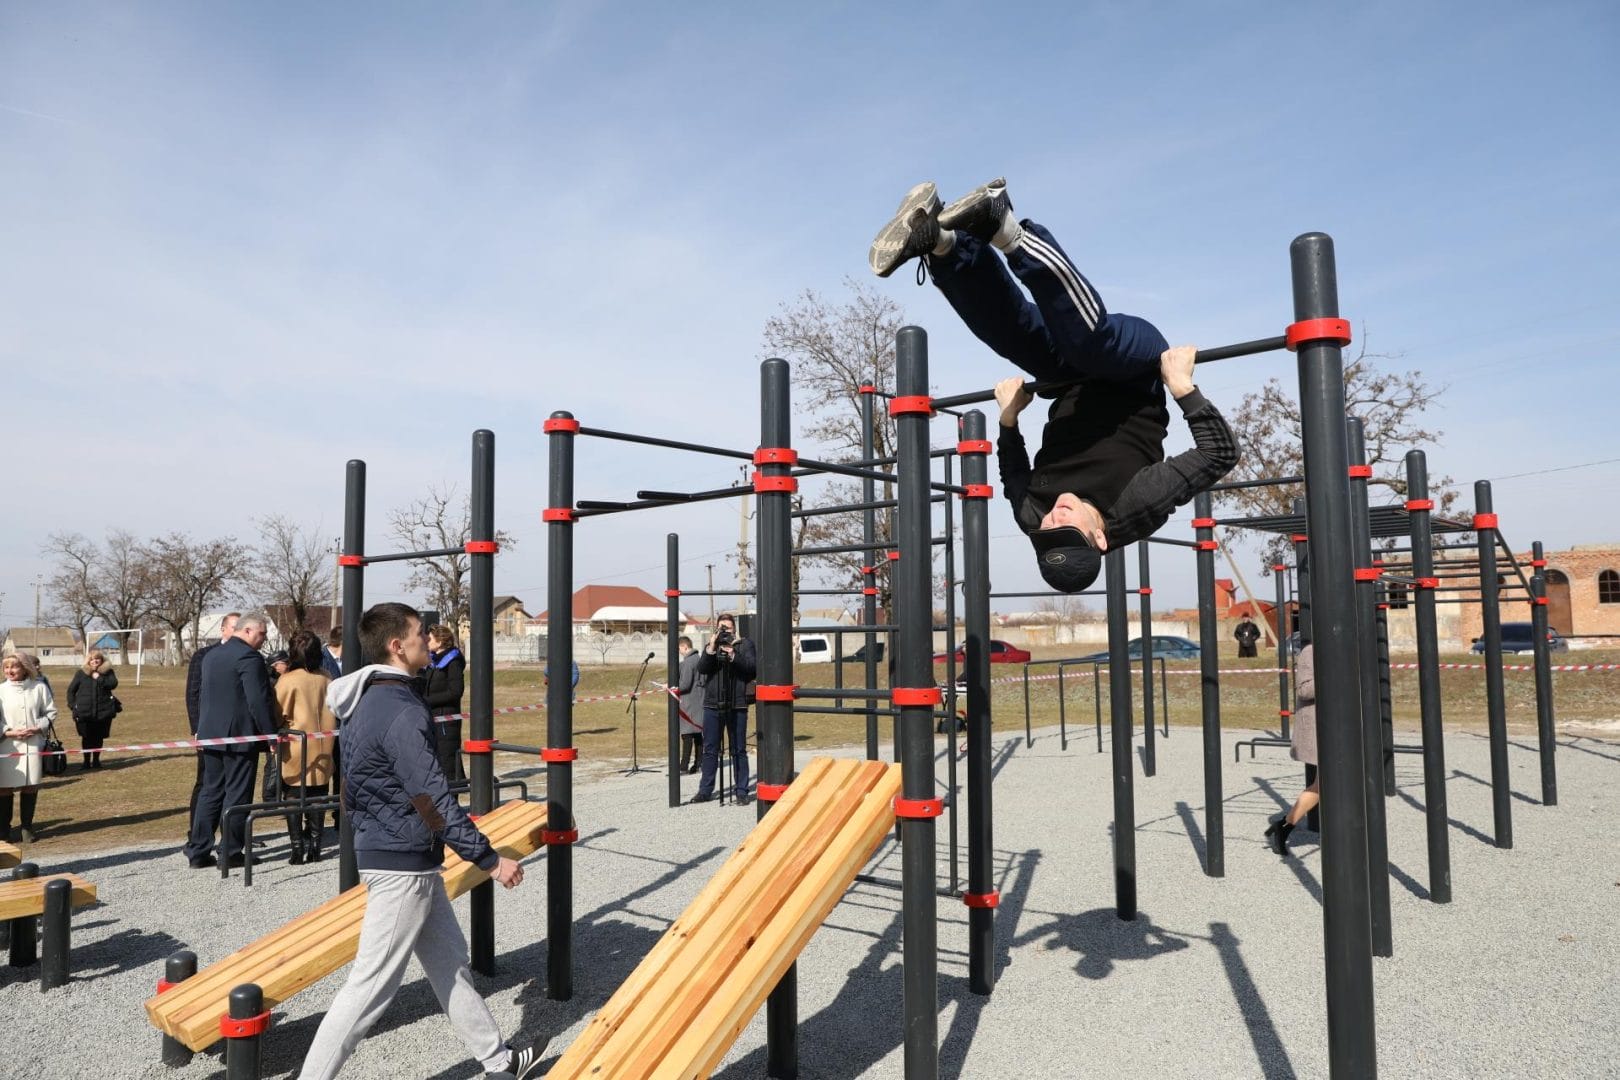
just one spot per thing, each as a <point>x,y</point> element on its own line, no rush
<point>728,666</point>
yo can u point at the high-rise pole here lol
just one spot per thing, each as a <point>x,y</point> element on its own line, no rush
<point>1318,335</point>
<point>1418,509</point>
<point>1209,683</point>
<point>1119,705</point>
<point>774,690</point>
<point>1545,731</point>
<point>672,629</point>
<point>561,429</point>
<point>981,896</point>
<point>1495,699</point>
<point>481,667</point>
<point>352,562</point>
<point>1371,720</point>
<point>916,696</point>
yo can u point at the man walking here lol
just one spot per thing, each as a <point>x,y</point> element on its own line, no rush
<point>403,816</point>
<point>234,701</point>
<point>227,628</point>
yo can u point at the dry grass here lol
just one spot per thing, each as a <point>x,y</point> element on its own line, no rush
<point>141,796</point>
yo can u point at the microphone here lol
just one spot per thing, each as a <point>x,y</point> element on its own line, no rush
<point>652,654</point>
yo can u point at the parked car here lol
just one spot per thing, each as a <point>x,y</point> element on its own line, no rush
<point>1518,637</point>
<point>1001,652</point>
<point>1166,645</point>
<point>815,649</point>
<point>859,655</point>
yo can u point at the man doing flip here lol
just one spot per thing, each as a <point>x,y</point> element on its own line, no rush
<point>1100,478</point>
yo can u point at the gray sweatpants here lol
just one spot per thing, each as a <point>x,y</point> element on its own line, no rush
<point>405,914</point>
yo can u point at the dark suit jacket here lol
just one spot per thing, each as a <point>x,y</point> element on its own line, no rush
<point>194,685</point>
<point>235,698</point>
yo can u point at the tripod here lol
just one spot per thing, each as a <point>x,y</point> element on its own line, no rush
<point>635,696</point>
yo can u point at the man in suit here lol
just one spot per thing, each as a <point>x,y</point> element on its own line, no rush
<point>227,628</point>
<point>234,701</point>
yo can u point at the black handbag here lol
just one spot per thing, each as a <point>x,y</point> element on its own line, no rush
<point>53,759</point>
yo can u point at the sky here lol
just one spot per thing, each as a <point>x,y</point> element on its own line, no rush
<point>245,243</point>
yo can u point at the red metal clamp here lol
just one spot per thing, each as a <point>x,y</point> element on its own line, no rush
<point>769,792</point>
<point>868,388</point>
<point>918,808</point>
<point>478,746</point>
<point>973,446</point>
<point>1538,601</point>
<point>672,593</point>
<point>564,514</point>
<point>1206,545</point>
<point>775,483</point>
<point>1147,591</point>
<point>558,837</point>
<point>776,455</point>
<point>911,404</point>
<point>1203,523</point>
<point>894,556</point>
<point>165,985</point>
<point>559,753</point>
<point>1538,563</point>
<point>915,695</point>
<point>1367,573</point>
<point>351,560</point>
<point>1360,472</point>
<point>560,423</point>
<point>1309,331</point>
<point>1285,712</point>
<point>978,491</point>
<point>1428,583</point>
<point>1419,504</point>
<point>246,1028</point>
<point>1298,538</point>
<point>1484,521</point>
<point>774,693</point>
<point>990,899</point>
<point>1278,567</point>
<point>482,547</point>
<point>868,569</point>
<point>870,591</point>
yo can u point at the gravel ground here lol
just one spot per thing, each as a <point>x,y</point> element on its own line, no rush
<point>1519,977</point>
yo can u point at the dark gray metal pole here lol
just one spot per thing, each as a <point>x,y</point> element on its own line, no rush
<point>672,597</point>
<point>1418,508</point>
<point>1346,921</point>
<point>1209,684</point>
<point>1279,571</point>
<point>1546,735</point>
<point>869,578</point>
<point>774,542</point>
<point>354,586</point>
<point>1366,659</point>
<point>1495,699</point>
<point>1144,589</point>
<point>176,970</point>
<point>561,429</point>
<point>481,673</point>
<point>56,930</point>
<point>244,1053</point>
<point>916,695</point>
<point>1119,705</point>
<point>981,896</point>
<point>24,930</point>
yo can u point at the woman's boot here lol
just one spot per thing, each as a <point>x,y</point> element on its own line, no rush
<point>1277,835</point>
<point>30,799</point>
<point>7,801</point>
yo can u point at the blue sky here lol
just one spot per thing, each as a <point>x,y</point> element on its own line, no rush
<point>253,241</point>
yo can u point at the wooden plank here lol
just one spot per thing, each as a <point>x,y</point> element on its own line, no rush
<point>671,992</point>
<point>27,897</point>
<point>10,855</point>
<point>709,970</point>
<point>313,946</point>
<point>621,1007</point>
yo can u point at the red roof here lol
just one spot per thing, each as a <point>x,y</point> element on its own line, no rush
<point>593,598</point>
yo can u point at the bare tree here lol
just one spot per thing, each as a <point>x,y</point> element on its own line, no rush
<point>188,576</point>
<point>1391,405</point>
<point>435,521</point>
<point>111,582</point>
<point>835,349</point>
<point>290,569</point>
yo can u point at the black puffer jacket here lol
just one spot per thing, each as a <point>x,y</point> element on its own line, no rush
<point>393,788</point>
<point>90,698</point>
<point>446,681</point>
<point>727,682</point>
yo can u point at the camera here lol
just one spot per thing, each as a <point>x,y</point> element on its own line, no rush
<point>723,637</point>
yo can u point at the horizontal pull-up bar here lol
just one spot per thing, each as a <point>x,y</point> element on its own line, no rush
<point>859,628</point>
<point>847,549</point>
<point>1088,592</point>
<point>1273,481</point>
<point>401,556</point>
<point>1172,543</point>
<point>1220,352</point>
<point>850,508</point>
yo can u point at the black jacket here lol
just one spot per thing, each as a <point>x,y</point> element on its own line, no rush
<point>194,684</point>
<point>395,793</point>
<point>726,683</point>
<point>90,698</point>
<point>446,680</point>
<point>235,696</point>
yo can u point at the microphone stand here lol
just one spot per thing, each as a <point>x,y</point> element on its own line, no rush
<point>635,695</point>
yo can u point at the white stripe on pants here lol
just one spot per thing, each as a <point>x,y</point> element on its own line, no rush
<point>405,914</point>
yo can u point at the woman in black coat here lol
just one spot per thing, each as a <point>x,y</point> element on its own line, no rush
<point>446,680</point>
<point>91,700</point>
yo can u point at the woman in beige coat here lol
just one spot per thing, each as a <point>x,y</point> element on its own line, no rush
<point>1303,750</point>
<point>306,764</point>
<point>27,711</point>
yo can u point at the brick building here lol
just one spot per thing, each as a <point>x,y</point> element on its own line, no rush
<point>1583,593</point>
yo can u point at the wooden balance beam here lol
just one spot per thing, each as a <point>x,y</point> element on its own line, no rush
<point>684,1005</point>
<point>316,944</point>
<point>10,855</point>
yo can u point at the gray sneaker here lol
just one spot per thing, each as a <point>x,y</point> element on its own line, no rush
<point>913,231</point>
<point>980,212</point>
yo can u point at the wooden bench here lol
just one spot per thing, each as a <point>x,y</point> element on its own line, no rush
<point>22,901</point>
<point>684,1005</point>
<point>10,855</point>
<point>314,945</point>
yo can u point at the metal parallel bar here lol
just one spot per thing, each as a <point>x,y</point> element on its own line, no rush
<point>560,713</point>
<point>587,508</point>
<point>1209,683</point>
<point>1085,592</point>
<point>1495,695</point>
<point>1370,727</point>
<point>354,579</point>
<point>1119,705</point>
<point>775,717</point>
<point>850,508</point>
<point>1173,543</point>
<point>1220,352</point>
<point>668,444</point>
<point>1524,582</point>
<point>1346,919</point>
<point>481,677</point>
<point>1546,732</point>
<point>913,669</point>
<point>1430,706</point>
<point>845,549</point>
<point>814,693</point>
<point>1275,481</point>
<point>716,592</point>
<point>976,669</point>
<point>402,556</point>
